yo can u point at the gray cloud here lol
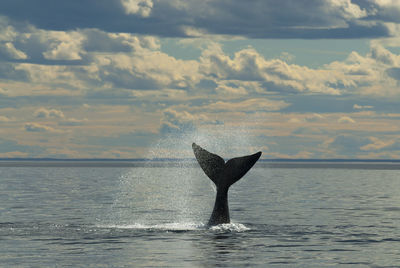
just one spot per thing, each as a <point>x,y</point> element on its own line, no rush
<point>394,73</point>
<point>8,72</point>
<point>175,122</point>
<point>256,19</point>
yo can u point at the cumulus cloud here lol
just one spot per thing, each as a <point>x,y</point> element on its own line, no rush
<point>109,52</point>
<point>271,75</point>
<point>370,74</point>
<point>146,70</point>
<point>139,7</point>
<point>48,113</point>
<point>123,60</point>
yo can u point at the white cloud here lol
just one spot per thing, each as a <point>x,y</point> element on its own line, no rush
<point>308,118</point>
<point>63,45</point>
<point>138,7</point>
<point>7,32</point>
<point>373,74</point>
<point>139,64</point>
<point>48,113</point>
<point>35,127</point>
<point>11,51</point>
<point>347,9</point>
<point>346,119</point>
<point>261,104</point>
<point>73,122</point>
<point>274,75</point>
<point>314,117</point>
<point>359,107</point>
<point>231,92</point>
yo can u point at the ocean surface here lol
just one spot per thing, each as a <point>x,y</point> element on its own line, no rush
<point>119,214</point>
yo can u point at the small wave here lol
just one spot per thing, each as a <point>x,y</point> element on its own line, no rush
<point>175,226</point>
<point>230,227</point>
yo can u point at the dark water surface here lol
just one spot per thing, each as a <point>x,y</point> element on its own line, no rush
<point>142,216</point>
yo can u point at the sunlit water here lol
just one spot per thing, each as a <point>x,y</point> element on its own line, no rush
<point>155,217</point>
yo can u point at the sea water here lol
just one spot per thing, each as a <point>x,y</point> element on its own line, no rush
<point>116,215</point>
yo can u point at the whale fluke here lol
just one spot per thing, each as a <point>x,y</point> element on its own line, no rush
<point>223,175</point>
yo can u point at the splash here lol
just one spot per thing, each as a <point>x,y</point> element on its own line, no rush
<point>174,191</point>
<point>230,227</point>
<point>176,226</point>
<point>179,226</point>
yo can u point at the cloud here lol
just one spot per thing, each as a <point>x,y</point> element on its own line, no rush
<point>35,127</point>
<point>139,7</point>
<point>63,46</point>
<point>249,105</point>
<point>370,74</point>
<point>394,73</point>
<point>3,92</point>
<point>385,10</point>
<point>377,144</point>
<point>10,71</point>
<point>271,75</point>
<point>9,50</point>
<point>309,118</point>
<point>314,117</point>
<point>89,59</point>
<point>4,119</point>
<point>48,113</point>
<point>258,19</point>
<point>346,119</point>
<point>230,90</point>
<point>72,122</point>
<point>359,107</point>
<point>176,122</point>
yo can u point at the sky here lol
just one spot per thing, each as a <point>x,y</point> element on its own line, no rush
<point>118,79</point>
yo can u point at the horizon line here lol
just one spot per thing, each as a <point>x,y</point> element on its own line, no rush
<point>194,159</point>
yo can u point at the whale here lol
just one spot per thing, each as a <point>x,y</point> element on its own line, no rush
<point>223,175</point>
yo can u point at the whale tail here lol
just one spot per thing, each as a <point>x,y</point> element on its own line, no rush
<point>224,174</point>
